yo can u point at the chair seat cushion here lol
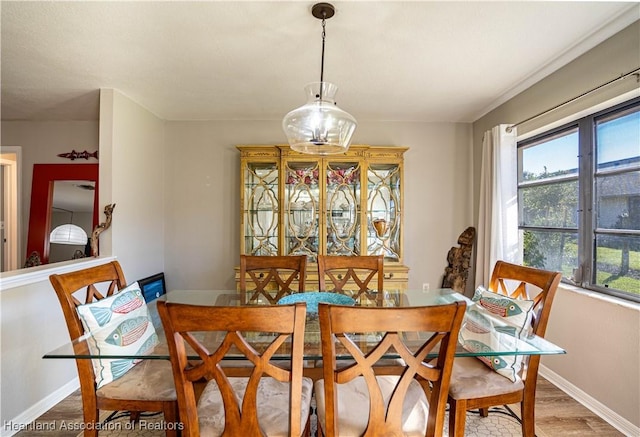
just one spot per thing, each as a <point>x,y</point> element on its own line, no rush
<point>353,406</point>
<point>272,400</point>
<point>150,380</point>
<point>471,379</point>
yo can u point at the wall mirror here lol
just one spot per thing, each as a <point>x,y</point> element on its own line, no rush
<point>71,220</point>
<point>61,195</point>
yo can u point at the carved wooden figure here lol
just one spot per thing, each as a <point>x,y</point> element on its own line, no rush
<point>459,259</point>
<point>108,211</point>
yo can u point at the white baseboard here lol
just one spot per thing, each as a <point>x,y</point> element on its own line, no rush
<point>18,423</point>
<point>608,415</point>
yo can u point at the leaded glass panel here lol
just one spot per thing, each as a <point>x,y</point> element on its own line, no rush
<point>383,211</point>
<point>343,209</point>
<point>261,209</point>
<point>302,202</point>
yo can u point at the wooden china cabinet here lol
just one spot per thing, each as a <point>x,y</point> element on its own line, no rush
<point>344,205</point>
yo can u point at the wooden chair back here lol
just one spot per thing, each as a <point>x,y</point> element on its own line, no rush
<point>355,272</point>
<point>85,286</point>
<point>396,327</point>
<point>77,288</point>
<point>521,282</point>
<point>182,321</point>
<point>265,272</point>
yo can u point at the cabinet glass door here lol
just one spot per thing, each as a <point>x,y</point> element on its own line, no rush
<point>261,209</point>
<point>301,215</point>
<point>343,208</point>
<point>383,211</point>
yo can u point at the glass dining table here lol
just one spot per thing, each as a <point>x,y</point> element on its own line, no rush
<point>507,343</point>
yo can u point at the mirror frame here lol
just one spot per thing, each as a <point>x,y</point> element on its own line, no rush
<point>44,177</point>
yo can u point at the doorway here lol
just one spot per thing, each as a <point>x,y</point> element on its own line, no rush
<point>10,216</point>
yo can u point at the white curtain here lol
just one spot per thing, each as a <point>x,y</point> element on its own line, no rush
<point>497,236</point>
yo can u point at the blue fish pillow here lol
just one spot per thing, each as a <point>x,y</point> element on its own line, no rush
<point>118,325</point>
<point>496,319</point>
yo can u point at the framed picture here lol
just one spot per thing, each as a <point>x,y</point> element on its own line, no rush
<point>153,287</point>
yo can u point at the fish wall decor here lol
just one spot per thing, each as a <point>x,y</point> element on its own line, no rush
<point>73,155</point>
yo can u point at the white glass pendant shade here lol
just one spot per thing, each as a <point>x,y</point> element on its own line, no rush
<point>68,234</point>
<point>319,127</point>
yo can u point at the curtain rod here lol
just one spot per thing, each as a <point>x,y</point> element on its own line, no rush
<point>622,76</point>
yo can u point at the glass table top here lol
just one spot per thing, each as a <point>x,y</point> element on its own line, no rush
<point>506,343</point>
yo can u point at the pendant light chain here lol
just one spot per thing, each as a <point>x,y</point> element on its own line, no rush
<point>324,34</point>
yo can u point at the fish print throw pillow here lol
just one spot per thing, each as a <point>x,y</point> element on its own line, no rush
<point>118,325</point>
<point>496,319</point>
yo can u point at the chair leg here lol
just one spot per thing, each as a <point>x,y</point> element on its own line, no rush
<point>92,416</point>
<point>484,412</point>
<point>527,408</point>
<point>91,432</point>
<point>170,412</point>
<point>457,418</point>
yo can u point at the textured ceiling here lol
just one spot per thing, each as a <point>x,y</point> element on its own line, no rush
<point>214,60</point>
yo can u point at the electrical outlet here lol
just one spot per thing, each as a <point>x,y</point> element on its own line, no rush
<point>425,286</point>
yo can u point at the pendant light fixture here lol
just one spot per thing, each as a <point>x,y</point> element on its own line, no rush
<point>319,127</point>
<point>68,234</point>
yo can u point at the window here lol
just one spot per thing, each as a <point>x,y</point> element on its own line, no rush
<point>579,200</point>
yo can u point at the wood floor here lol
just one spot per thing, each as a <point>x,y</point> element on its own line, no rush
<point>557,414</point>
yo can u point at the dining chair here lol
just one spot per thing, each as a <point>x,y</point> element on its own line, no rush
<point>271,276</point>
<point>274,400</point>
<point>355,401</point>
<point>352,275</point>
<point>476,386</point>
<point>146,387</point>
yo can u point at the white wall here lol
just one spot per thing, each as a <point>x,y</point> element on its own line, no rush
<point>600,335</point>
<point>202,203</point>
<point>132,148</point>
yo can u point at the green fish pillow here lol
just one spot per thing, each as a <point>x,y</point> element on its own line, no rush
<point>494,322</point>
<point>118,325</point>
